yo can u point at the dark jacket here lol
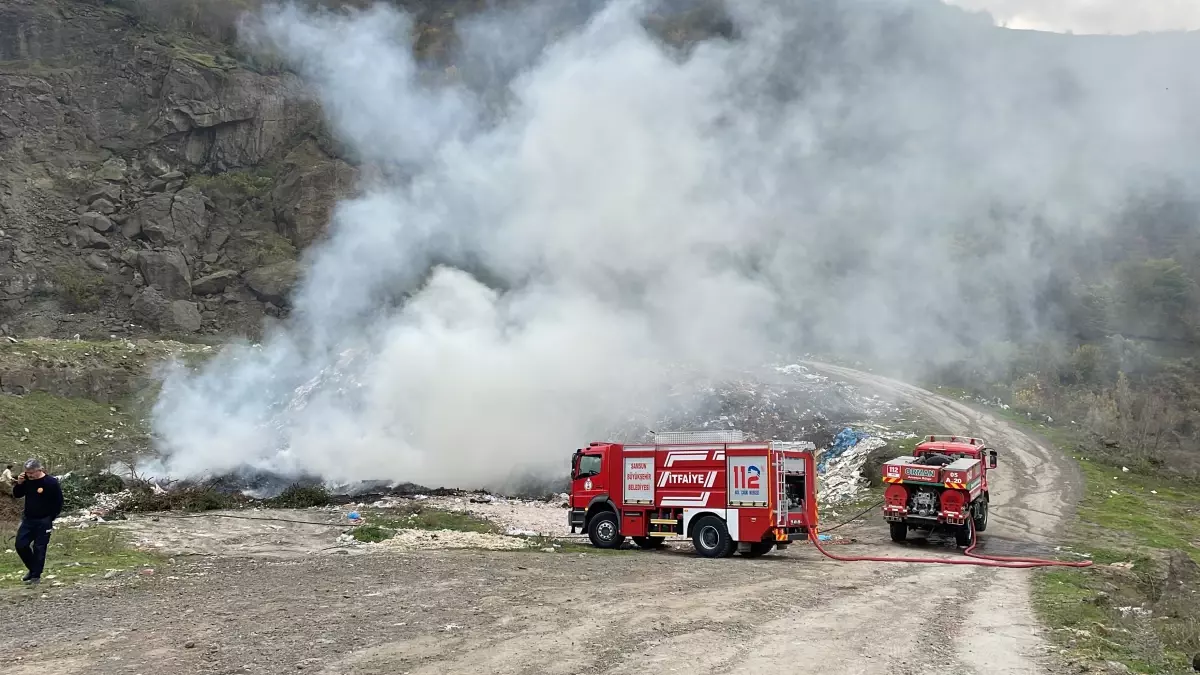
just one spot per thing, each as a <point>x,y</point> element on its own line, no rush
<point>43,497</point>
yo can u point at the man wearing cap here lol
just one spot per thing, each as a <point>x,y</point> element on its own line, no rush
<point>43,502</point>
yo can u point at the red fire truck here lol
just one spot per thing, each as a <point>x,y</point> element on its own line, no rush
<point>943,483</point>
<point>721,491</point>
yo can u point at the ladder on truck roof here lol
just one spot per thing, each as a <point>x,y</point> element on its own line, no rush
<point>705,436</point>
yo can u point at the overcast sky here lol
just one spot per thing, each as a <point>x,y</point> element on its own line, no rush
<point>1091,16</point>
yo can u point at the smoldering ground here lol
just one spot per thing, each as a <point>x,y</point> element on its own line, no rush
<point>895,178</point>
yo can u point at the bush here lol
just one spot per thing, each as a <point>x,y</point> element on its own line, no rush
<point>299,496</point>
<point>198,497</point>
<point>79,290</point>
<point>372,533</point>
<point>79,489</point>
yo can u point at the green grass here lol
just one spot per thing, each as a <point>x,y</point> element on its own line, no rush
<point>55,424</point>
<point>76,555</point>
<point>242,183</point>
<point>83,354</point>
<point>418,518</point>
<point>383,524</point>
<point>1134,510</point>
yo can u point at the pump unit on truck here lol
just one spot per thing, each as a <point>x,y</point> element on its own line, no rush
<point>944,483</point>
<point>722,492</point>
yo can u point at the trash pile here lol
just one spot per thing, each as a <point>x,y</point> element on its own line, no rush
<point>840,466</point>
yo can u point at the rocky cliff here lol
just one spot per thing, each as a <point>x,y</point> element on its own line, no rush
<point>149,183</point>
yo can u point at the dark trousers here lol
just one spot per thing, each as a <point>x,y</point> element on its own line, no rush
<point>33,537</point>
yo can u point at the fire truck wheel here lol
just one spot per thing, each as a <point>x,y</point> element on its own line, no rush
<point>899,531</point>
<point>981,515</point>
<point>758,549</point>
<point>649,543</point>
<point>711,538</point>
<point>604,530</point>
<point>962,535</point>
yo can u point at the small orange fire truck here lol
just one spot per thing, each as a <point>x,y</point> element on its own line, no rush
<point>723,492</point>
<point>943,484</point>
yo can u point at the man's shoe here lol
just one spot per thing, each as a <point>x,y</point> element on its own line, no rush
<point>30,579</point>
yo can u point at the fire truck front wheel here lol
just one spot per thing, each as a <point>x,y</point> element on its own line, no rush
<point>604,531</point>
<point>711,538</point>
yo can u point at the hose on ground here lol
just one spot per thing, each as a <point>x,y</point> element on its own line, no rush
<point>973,559</point>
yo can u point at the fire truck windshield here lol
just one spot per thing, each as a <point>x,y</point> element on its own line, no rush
<point>589,465</point>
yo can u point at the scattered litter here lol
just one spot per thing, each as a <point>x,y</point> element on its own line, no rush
<point>354,517</point>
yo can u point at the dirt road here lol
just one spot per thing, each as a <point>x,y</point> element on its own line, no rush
<point>442,612</point>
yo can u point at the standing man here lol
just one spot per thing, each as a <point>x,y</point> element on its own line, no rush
<point>43,502</point>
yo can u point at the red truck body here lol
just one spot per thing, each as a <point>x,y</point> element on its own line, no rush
<point>724,493</point>
<point>943,484</point>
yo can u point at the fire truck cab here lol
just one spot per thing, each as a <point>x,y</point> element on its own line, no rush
<point>722,492</point>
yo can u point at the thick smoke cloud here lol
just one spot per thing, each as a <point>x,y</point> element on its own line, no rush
<point>550,234</point>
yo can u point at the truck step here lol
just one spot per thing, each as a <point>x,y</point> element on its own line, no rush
<point>663,521</point>
<point>661,534</point>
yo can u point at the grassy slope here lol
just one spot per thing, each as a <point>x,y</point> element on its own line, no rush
<point>75,555</point>
<point>55,423</point>
<point>1128,523</point>
<point>47,426</point>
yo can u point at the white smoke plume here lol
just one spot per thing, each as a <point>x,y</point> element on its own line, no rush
<point>571,214</point>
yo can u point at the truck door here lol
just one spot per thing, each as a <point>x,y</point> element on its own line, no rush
<point>588,478</point>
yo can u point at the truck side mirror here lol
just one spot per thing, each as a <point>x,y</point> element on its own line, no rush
<point>992,459</point>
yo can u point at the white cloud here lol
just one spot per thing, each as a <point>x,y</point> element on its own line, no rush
<point>1091,16</point>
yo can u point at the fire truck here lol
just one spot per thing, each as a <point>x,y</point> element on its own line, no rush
<point>722,492</point>
<point>943,484</point>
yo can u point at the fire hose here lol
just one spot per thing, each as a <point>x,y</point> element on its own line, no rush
<point>973,558</point>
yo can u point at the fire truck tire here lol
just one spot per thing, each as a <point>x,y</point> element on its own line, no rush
<point>604,531</point>
<point>649,543</point>
<point>899,531</point>
<point>758,549</point>
<point>711,538</point>
<point>981,516</point>
<point>962,535</point>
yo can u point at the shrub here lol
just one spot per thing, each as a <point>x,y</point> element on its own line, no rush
<point>299,496</point>
<point>79,290</point>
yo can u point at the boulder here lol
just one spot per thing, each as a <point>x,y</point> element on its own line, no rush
<point>110,192</point>
<point>166,271</point>
<point>113,170</point>
<point>153,309</point>
<point>178,220</point>
<point>86,237</point>
<point>304,199</point>
<point>96,262</point>
<point>273,283</point>
<point>103,206</point>
<point>213,283</point>
<point>97,221</point>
